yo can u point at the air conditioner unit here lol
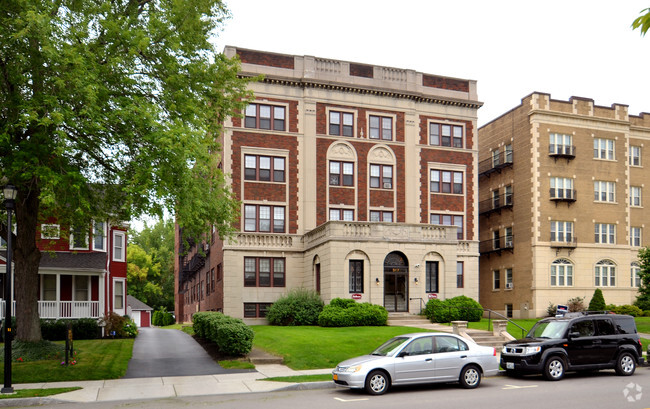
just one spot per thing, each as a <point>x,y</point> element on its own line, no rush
<point>509,286</point>
<point>388,185</point>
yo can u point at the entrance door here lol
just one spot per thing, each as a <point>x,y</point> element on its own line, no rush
<point>395,283</point>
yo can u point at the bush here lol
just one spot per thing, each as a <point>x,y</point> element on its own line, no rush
<point>299,307</point>
<point>231,335</point>
<point>86,328</point>
<point>643,302</point>
<point>118,326</point>
<point>54,330</point>
<point>161,317</point>
<point>551,310</point>
<point>348,313</point>
<point>576,304</point>
<point>632,310</point>
<point>82,328</point>
<point>459,308</point>
<point>597,302</point>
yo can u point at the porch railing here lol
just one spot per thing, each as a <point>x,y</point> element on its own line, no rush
<point>62,309</point>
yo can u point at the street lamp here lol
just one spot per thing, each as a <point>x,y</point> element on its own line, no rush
<point>10,193</point>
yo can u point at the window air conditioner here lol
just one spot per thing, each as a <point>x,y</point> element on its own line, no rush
<point>509,285</point>
<point>388,185</point>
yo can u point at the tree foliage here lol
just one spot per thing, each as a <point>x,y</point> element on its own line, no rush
<point>150,270</point>
<point>109,109</point>
<point>642,22</point>
<point>643,299</point>
<point>597,302</point>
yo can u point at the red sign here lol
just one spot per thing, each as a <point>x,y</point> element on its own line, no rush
<point>433,295</point>
<point>356,296</point>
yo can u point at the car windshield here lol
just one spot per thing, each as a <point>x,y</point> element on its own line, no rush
<point>548,329</point>
<point>389,347</point>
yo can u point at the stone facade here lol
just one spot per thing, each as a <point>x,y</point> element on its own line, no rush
<point>371,221</point>
<point>573,168</point>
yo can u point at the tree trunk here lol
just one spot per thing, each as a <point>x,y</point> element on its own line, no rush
<point>27,258</point>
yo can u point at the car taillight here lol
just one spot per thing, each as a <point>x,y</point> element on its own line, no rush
<point>495,351</point>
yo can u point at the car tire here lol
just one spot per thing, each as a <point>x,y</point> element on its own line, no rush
<point>625,364</point>
<point>470,377</point>
<point>554,368</point>
<point>377,382</point>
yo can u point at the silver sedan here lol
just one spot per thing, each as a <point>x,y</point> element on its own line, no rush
<point>418,358</point>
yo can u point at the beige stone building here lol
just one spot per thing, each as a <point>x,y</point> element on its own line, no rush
<point>355,180</point>
<point>561,204</point>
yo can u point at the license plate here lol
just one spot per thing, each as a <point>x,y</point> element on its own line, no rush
<point>336,377</point>
<point>510,365</point>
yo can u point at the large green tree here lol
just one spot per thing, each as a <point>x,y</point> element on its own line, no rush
<point>642,22</point>
<point>643,299</point>
<point>150,271</point>
<point>108,109</point>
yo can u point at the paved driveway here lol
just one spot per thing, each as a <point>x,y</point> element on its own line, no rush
<point>168,352</point>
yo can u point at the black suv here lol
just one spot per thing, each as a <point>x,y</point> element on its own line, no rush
<point>575,342</point>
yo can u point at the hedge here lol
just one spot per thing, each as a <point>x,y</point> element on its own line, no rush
<point>299,307</point>
<point>349,313</point>
<point>161,318</point>
<point>231,335</point>
<point>459,308</point>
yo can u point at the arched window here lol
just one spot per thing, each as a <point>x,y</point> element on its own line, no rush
<point>635,278</point>
<point>561,273</point>
<point>605,274</point>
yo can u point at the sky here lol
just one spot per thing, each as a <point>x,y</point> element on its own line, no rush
<point>511,48</point>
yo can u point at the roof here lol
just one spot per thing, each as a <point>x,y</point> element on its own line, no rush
<point>70,261</point>
<point>137,305</point>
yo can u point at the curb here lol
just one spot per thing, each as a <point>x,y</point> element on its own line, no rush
<point>306,386</point>
<point>20,402</point>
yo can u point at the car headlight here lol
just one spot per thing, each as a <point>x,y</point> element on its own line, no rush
<point>355,368</point>
<point>532,350</point>
<point>504,350</point>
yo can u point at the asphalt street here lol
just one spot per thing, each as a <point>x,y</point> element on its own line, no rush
<point>161,352</point>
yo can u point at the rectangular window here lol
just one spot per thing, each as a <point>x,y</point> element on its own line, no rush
<point>603,149</point>
<point>260,218</point>
<point>635,156</point>
<point>460,274</point>
<point>341,173</point>
<point>381,176</point>
<point>264,272</point>
<point>342,214</point>
<point>78,239</point>
<point>256,310</point>
<point>508,195</point>
<point>635,236</point>
<point>81,288</point>
<point>49,287</point>
<point>380,127</point>
<point>356,276</point>
<point>49,232</point>
<point>264,168</point>
<point>446,135</point>
<point>381,216</point>
<point>265,117</point>
<point>496,279</point>
<point>118,295</point>
<point>561,273</point>
<point>635,196</point>
<point>605,233</point>
<point>635,276</point>
<point>561,144</point>
<point>341,123</point>
<point>604,191</point>
<point>431,279</point>
<point>561,231</point>
<point>445,181</point>
<point>119,246</point>
<point>99,236</point>
<point>508,278</point>
<point>561,188</point>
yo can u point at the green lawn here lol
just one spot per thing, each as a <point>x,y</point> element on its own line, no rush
<point>96,359</point>
<point>643,324</point>
<point>318,347</point>
<point>513,330</point>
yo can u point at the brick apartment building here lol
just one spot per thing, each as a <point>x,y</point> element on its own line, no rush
<point>355,180</point>
<point>561,204</point>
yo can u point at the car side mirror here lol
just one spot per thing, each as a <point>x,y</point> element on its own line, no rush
<point>574,334</point>
<point>402,354</point>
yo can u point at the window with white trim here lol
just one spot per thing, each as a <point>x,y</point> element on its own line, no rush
<point>264,218</point>
<point>604,191</point>
<point>561,188</point>
<point>99,236</point>
<point>446,135</point>
<point>265,117</point>
<point>341,123</point>
<point>635,274</point>
<point>496,279</point>
<point>48,282</point>
<point>381,176</point>
<point>119,246</point>
<point>635,236</point>
<point>446,181</point>
<point>508,278</point>
<point>78,238</point>
<point>81,288</point>
<point>264,272</point>
<point>605,274</point>
<point>635,196</point>
<point>50,232</point>
<point>118,295</point>
<point>605,233</point>
<point>381,216</point>
<point>264,168</point>
<point>603,148</point>
<point>561,273</point>
<point>560,144</point>
<point>380,127</point>
<point>561,231</point>
<point>635,156</point>
<point>341,173</point>
<point>342,214</point>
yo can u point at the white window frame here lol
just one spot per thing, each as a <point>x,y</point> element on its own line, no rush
<point>563,184</point>
<point>122,234</point>
<point>604,149</point>
<point>635,156</point>
<point>607,188</point>
<point>636,234</point>
<point>50,228</point>
<point>605,274</point>
<point>636,195</point>
<point>635,277</point>
<point>607,230</point>
<point>561,273</point>
<point>496,279</point>
<point>72,247</point>
<point>75,286</point>
<point>563,229</point>
<point>558,143</point>
<point>122,282</point>
<point>104,236</point>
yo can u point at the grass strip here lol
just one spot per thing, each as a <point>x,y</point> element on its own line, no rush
<point>37,393</point>
<point>236,364</point>
<point>300,378</point>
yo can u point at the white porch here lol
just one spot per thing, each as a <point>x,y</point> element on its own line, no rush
<point>60,309</point>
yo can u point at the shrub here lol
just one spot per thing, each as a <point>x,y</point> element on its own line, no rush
<point>576,304</point>
<point>551,310</point>
<point>454,309</point>
<point>118,326</point>
<point>161,317</point>
<point>632,310</point>
<point>643,302</point>
<point>231,335</point>
<point>54,330</point>
<point>85,328</point>
<point>343,313</point>
<point>299,307</point>
<point>597,302</point>
<point>82,328</point>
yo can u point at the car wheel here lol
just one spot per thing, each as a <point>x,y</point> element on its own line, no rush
<point>470,377</point>
<point>554,368</point>
<point>377,383</point>
<point>625,364</point>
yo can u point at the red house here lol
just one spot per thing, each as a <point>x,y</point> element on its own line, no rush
<point>82,272</point>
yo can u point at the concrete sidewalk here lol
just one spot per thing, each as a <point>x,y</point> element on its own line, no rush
<point>169,387</point>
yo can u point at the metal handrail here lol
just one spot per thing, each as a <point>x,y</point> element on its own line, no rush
<point>421,302</point>
<point>490,312</point>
